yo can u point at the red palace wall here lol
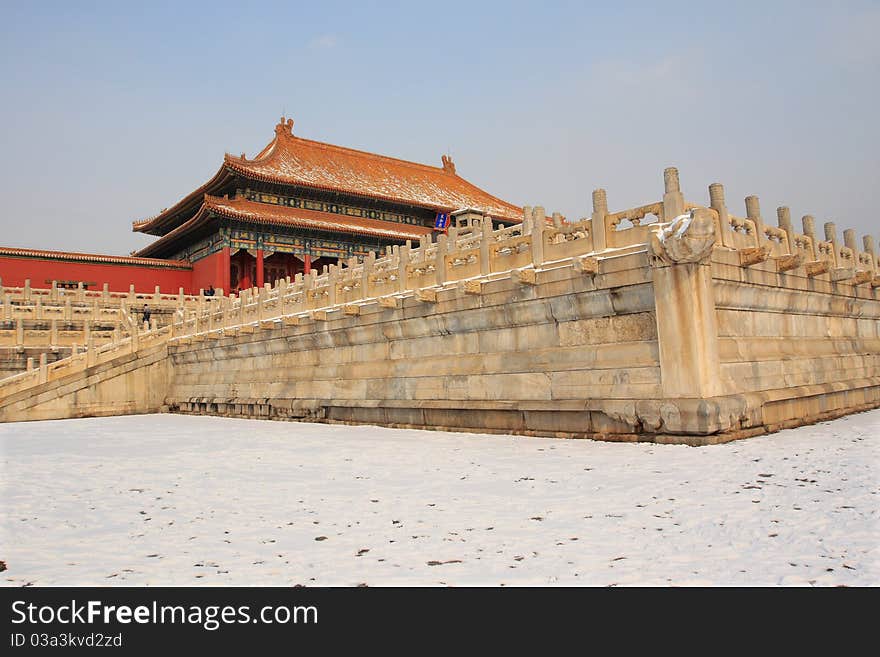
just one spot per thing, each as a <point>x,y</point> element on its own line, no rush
<point>14,271</point>
<point>212,270</point>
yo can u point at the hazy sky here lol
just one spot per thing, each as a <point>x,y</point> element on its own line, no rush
<point>110,112</point>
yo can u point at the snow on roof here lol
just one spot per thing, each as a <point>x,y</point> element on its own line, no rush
<point>293,160</point>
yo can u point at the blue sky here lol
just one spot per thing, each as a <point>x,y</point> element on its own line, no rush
<point>110,112</point>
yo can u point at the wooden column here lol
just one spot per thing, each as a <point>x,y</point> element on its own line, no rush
<point>307,265</point>
<point>223,276</point>
<point>260,277</point>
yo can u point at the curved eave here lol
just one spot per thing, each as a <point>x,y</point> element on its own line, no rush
<point>212,208</point>
<point>314,220</point>
<point>199,218</point>
<point>163,222</point>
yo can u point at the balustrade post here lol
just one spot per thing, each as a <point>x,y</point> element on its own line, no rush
<point>831,236</point>
<point>597,220</point>
<point>809,224</point>
<point>440,259</point>
<point>868,241</point>
<point>332,275</point>
<point>673,199</point>
<point>783,216</point>
<point>261,304</point>
<point>849,239</point>
<point>538,237</point>
<point>90,352</point>
<point>366,272</point>
<point>527,220</point>
<point>753,212</point>
<point>402,262</point>
<point>718,203</point>
<point>485,243</point>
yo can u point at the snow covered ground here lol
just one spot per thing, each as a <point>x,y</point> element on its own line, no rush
<point>179,500</point>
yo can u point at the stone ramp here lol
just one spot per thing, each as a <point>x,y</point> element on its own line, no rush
<point>134,382</point>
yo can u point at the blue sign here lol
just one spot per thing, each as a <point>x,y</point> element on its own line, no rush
<point>442,222</point>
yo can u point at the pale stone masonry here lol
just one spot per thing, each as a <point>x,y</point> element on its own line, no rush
<point>699,327</point>
<point>57,323</point>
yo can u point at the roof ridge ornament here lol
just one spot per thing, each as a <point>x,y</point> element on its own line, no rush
<point>285,126</point>
<point>448,164</point>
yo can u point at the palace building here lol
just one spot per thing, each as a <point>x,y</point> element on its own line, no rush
<point>298,205</point>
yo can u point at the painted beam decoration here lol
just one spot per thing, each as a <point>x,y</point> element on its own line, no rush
<point>240,238</point>
<point>331,207</point>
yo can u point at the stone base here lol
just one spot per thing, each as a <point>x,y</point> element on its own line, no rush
<point>692,422</point>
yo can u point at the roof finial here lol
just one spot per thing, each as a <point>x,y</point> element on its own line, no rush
<point>448,164</point>
<point>285,126</point>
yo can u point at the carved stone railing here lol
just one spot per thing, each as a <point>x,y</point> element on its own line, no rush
<point>466,258</point>
<point>620,236</point>
<point>80,360</point>
<point>58,295</point>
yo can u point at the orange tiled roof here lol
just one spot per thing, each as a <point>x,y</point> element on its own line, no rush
<point>280,215</point>
<point>70,256</point>
<point>291,160</point>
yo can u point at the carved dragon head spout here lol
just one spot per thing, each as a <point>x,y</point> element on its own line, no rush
<point>687,238</point>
